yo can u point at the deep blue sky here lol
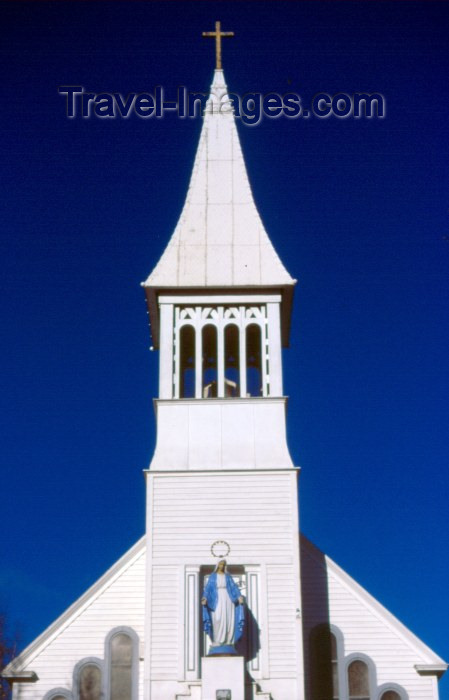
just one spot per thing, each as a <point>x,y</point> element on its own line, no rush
<point>358,211</point>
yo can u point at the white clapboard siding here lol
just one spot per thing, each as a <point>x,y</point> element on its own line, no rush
<point>281,621</point>
<point>252,512</point>
<point>118,602</point>
<point>330,595</point>
<point>164,650</point>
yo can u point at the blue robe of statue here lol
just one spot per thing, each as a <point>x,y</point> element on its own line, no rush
<point>211,596</point>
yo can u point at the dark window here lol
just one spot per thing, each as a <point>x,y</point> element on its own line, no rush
<point>358,679</point>
<point>187,362</point>
<point>253,360</point>
<point>209,335</point>
<point>89,682</point>
<point>390,695</point>
<point>121,667</point>
<point>334,662</point>
<point>324,664</point>
<point>232,363</point>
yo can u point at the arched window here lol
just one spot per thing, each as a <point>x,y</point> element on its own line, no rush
<point>390,695</point>
<point>253,360</point>
<point>232,362</point>
<point>121,664</point>
<point>89,682</point>
<point>58,694</point>
<point>209,337</point>
<point>324,664</point>
<point>358,680</point>
<point>121,667</point>
<point>187,362</point>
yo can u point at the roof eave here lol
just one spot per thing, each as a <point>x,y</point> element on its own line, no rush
<point>152,294</point>
<point>437,670</point>
<point>19,676</point>
<point>16,666</point>
<point>435,661</point>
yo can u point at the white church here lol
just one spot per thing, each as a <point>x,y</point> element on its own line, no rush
<point>222,484</point>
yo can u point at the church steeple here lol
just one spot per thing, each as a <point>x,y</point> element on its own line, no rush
<point>220,240</point>
<point>219,302</point>
<point>223,336</point>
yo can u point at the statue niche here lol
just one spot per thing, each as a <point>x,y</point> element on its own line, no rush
<point>223,611</point>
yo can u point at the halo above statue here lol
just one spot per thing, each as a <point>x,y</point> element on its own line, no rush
<point>220,549</point>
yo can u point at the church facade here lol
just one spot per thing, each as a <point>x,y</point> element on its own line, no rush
<point>222,484</point>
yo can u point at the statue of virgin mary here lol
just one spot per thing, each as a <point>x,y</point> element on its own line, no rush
<point>223,610</point>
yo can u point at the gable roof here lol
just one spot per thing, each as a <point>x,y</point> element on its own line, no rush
<point>429,661</point>
<point>14,670</point>
<point>220,240</point>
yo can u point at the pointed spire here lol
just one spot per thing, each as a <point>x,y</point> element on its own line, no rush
<point>220,240</point>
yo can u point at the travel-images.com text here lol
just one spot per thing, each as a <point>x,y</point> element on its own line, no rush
<point>250,108</point>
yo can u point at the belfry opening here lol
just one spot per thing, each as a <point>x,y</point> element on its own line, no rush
<point>219,352</point>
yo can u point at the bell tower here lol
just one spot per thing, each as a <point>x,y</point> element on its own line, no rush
<point>221,481</point>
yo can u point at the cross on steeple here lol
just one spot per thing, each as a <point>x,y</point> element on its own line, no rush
<point>217,34</point>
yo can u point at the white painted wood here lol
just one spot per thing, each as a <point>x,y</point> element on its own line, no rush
<point>219,239</point>
<point>192,626</point>
<point>118,601</point>
<point>274,349</point>
<point>248,297</point>
<point>264,630</point>
<point>198,361</point>
<point>164,649</point>
<point>264,355</point>
<point>281,622</point>
<point>176,378</point>
<point>221,434</point>
<point>166,352</point>
<point>330,595</point>
<point>253,594</point>
<point>299,650</point>
<point>220,356</point>
<point>190,510</point>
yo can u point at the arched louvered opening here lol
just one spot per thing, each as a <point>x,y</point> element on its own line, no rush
<point>390,695</point>
<point>358,680</point>
<point>232,361</point>
<point>121,667</point>
<point>89,682</point>
<point>187,362</point>
<point>253,360</point>
<point>209,338</point>
<point>324,664</point>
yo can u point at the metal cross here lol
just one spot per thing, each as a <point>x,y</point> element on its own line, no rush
<point>217,34</point>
